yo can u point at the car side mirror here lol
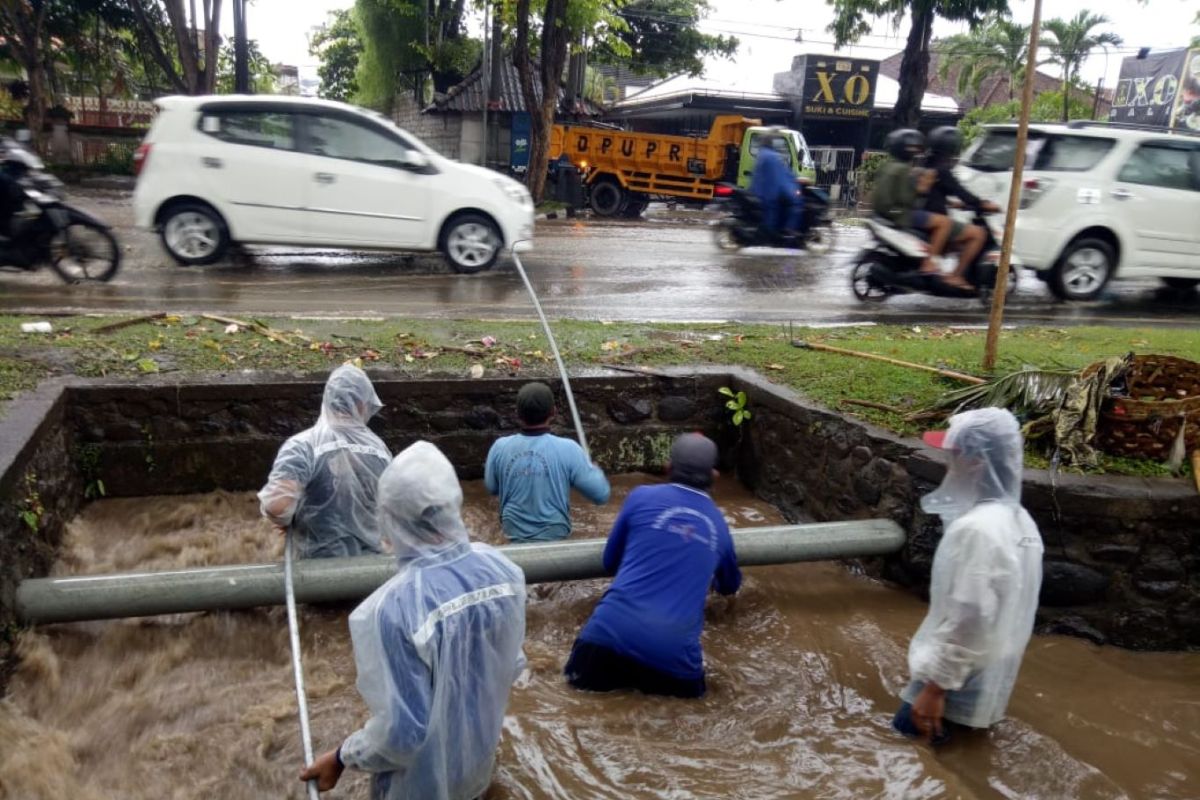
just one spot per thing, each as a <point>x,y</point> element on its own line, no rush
<point>416,161</point>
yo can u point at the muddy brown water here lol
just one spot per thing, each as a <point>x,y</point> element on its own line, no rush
<point>804,669</point>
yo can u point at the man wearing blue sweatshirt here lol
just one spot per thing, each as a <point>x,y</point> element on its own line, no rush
<point>534,471</point>
<point>668,547</point>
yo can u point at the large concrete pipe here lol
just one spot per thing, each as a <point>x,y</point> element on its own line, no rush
<point>140,594</point>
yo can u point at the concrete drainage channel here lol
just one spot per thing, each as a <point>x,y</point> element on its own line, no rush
<point>1123,555</point>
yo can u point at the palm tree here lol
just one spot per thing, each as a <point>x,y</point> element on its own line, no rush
<point>1071,43</point>
<point>999,47</point>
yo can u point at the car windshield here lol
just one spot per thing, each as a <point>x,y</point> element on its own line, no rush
<point>1044,152</point>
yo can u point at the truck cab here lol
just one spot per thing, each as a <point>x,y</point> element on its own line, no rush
<point>797,155</point>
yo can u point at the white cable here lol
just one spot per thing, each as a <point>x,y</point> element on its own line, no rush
<point>294,631</point>
<point>562,370</point>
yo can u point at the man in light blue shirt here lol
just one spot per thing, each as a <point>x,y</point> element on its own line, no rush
<point>533,473</point>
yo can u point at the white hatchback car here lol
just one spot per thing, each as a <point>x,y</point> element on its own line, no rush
<point>288,170</point>
<point>1099,201</point>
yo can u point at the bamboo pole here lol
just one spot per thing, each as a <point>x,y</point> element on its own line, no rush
<point>945,373</point>
<point>1014,195</point>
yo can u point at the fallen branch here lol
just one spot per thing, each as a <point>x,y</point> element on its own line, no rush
<point>256,327</point>
<point>945,373</point>
<point>878,406</point>
<point>116,326</point>
<point>638,370</point>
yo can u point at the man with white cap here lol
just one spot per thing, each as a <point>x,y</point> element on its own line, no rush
<point>668,547</point>
<point>437,647</point>
<point>324,479</point>
<point>983,594</point>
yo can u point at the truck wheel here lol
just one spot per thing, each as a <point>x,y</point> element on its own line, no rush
<point>634,207</point>
<point>607,197</point>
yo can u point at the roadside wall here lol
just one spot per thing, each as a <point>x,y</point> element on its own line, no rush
<point>441,131</point>
<point>1122,554</point>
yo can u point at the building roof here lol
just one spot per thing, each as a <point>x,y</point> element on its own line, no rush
<point>471,94</point>
<point>994,89</point>
<point>752,85</point>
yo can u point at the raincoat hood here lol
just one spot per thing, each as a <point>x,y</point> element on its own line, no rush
<point>349,397</point>
<point>420,503</point>
<point>986,460</point>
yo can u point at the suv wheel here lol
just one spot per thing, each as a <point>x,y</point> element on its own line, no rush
<point>194,234</point>
<point>1084,269</point>
<point>471,243</point>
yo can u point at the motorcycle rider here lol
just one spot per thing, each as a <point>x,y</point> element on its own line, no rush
<point>12,196</point>
<point>900,188</point>
<point>774,184</point>
<point>945,144</point>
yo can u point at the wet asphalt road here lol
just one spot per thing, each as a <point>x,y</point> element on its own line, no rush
<point>665,268</point>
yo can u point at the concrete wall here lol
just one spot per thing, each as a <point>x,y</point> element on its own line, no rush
<point>1122,554</point>
<point>442,132</point>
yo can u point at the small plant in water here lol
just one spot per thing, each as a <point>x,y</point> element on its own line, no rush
<point>736,404</point>
<point>31,508</point>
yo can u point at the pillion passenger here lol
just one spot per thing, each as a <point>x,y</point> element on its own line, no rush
<point>324,480</point>
<point>437,647</point>
<point>534,471</point>
<point>669,546</point>
<point>987,572</point>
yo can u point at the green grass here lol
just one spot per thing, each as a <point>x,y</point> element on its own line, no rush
<point>417,347</point>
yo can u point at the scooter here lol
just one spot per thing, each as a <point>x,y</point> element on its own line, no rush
<point>743,226</point>
<point>46,230</point>
<point>891,264</point>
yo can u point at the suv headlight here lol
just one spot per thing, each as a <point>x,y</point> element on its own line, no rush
<point>515,191</point>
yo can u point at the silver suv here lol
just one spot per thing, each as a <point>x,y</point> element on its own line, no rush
<point>1099,201</point>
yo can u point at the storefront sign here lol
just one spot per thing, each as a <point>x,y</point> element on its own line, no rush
<point>519,151</point>
<point>1162,90</point>
<point>838,87</point>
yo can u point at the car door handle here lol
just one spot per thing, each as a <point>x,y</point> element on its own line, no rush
<point>1122,194</point>
<point>212,163</point>
<point>324,177</point>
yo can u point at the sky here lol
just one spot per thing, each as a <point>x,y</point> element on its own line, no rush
<point>767,30</point>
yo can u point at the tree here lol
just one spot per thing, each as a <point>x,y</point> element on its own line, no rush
<point>24,30</point>
<point>563,23</point>
<point>184,48</point>
<point>1000,47</point>
<point>1070,42</point>
<point>338,45</point>
<point>262,74</point>
<point>661,38</point>
<point>1046,107</point>
<point>851,23</point>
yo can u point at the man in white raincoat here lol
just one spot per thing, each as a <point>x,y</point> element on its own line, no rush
<point>324,479</point>
<point>987,573</point>
<point>437,647</point>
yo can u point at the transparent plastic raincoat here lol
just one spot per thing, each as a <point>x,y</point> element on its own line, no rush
<point>438,646</point>
<point>987,572</point>
<point>324,480</point>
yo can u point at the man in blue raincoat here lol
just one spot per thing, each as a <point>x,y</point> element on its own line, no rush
<point>774,184</point>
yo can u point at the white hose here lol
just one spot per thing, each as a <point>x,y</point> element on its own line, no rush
<point>562,370</point>
<point>294,631</point>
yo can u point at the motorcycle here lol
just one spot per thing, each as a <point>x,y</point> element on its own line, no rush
<point>891,264</point>
<point>743,226</point>
<point>46,230</point>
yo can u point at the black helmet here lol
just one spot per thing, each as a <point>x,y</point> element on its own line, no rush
<point>905,144</point>
<point>945,142</point>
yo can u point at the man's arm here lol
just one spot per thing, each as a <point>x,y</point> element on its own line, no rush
<point>291,472</point>
<point>491,470</point>
<point>955,188</point>
<point>589,479</point>
<point>728,578</point>
<point>614,550</point>
<point>397,686</point>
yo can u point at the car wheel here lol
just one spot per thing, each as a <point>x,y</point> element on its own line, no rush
<point>471,243</point>
<point>1181,284</point>
<point>607,197</point>
<point>194,234</point>
<point>1084,270</point>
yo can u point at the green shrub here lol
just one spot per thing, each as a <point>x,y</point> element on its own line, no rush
<point>866,174</point>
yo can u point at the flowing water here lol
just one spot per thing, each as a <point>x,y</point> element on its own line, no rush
<point>804,669</point>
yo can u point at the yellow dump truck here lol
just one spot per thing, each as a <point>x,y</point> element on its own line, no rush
<point>623,171</point>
